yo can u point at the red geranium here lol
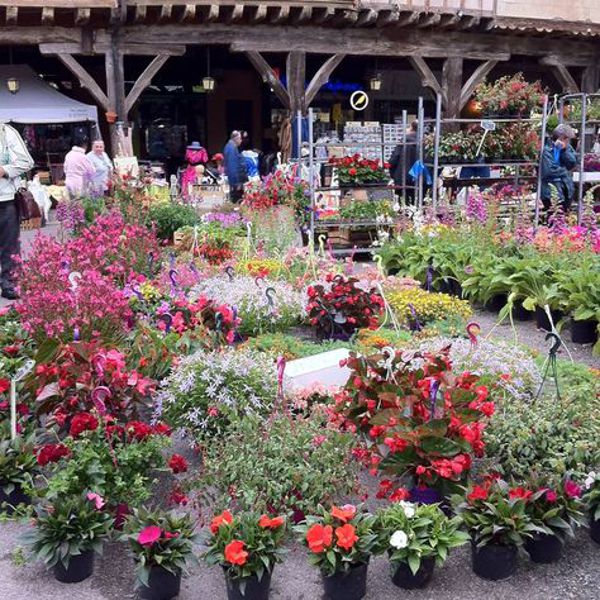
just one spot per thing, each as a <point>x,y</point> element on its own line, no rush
<point>267,522</point>
<point>51,453</point>
<point>178,464</point>
<point>223,519</point>
<point>319,537</point>
<point>83,422</point>
<point>346,536</point>
<point>235,553</point>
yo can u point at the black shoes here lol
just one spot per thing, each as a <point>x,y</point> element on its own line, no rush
<point>10,294</point>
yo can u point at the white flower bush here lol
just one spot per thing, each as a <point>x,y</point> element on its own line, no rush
<point>399,540</point>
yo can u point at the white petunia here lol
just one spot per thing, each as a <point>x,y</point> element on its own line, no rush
<point>399,540</point>
<point>408,508</point>
<point>590,480</point>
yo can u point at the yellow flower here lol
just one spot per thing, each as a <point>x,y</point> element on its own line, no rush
<point>428,306</point>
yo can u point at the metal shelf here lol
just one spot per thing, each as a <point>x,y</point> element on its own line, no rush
<point>325,224</point>
<point>488,164</point>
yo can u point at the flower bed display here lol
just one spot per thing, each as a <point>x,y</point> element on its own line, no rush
<point>355,171</point>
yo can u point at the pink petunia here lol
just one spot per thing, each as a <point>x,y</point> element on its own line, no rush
<point>96,499</point>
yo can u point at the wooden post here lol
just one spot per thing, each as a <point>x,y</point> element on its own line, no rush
<point>452,75</point>
<point>562,74</point>
<point>296,80</point>
<point>590,82</point>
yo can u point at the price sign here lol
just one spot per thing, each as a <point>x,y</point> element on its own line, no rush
<point>488,125</point>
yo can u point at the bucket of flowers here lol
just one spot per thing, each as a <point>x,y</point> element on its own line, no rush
<point>341,542</point>
<point>162,545</point>
<point>247,547</point>
<point>416,539</point>
<point>592,500</point>
<point>555,507</point>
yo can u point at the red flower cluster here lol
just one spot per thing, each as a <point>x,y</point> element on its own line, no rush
<point>357,170</point>
<point>83,422</point>
<point>51,453</point>
<point>225,518</point>
<point>267,522</point>
<point>235,553</point>
<point>178,464</point>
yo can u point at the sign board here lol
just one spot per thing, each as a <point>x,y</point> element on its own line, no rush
<point>359,100</point>
<point>488,125</point>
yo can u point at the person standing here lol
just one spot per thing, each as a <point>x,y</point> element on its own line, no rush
<point>558,160</point>
<point>401,162</point>
<point>103,166</point>
<point>15,161</point>
<point>235,166</point>
<point>79,171</point>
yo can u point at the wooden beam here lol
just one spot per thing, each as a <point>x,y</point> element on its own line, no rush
<point>452,75</point>
<point>85,80</point>
<point>428,79</point>
<point>102,47</point>
<point>258,13</point>
<point>144,80</point>
<point>408,19</point>
<point>296,80</point>
<point>387,17</point>
<point>429,20</point>
<point>561,72</point>
<point>322,14</point>
<point>12,15</point>
<point>165,13</point>
<point>590,81</point>
<point>212,14</point>
<point>47,15</point>
<point>480,73</point>
<point>140,13</point>
<point>302,15</point>
<point>345,17</point>
<point>188,14</point>
<point>281,14</point>
<point>82,16</point>
<point>366,17</point>
<point>321,77</point>
<point>267,74</point>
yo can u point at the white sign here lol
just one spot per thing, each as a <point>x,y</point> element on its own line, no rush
<point>359,100</point>
<point>488,125</point>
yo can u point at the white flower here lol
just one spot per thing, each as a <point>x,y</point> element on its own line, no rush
<point>409,508</point>
<point>590,480</point>
<point>399,540</point>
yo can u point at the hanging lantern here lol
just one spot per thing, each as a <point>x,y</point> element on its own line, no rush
<point>375,83</point>
<point>13,85</point>
<point>208,83</point>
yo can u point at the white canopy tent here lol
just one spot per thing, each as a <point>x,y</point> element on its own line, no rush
<point>38,103</point>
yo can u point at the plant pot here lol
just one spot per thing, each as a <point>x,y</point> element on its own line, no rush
<point>347,586</point>
<point>425,495</point>
<point>584,332</point>
<point>595,530</point>
<point>404,578</point>
<point>16,497</point>
<point>496,303</point>
<point>162,585</point>
<point>520,313</point>
<point>80,568</point>
<point>255,589</point>
<point>493,561</point>
<point>455,288</point>
<point>541,318</point>
<point>544,548</point>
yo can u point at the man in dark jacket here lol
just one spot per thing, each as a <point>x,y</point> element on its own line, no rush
<point>402,161</point>
<point>558,160</point>
<point>235,166</point>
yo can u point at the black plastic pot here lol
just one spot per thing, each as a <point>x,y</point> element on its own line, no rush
<point>16,497</point>
<point>347,586</point>
<point>404,578</point>
<point>162,585</point>
<point>80,568</point>
<point>544,548</point>
<point>255,589</point>
<point>496,303</point>
<point>455,288</point>
<point>541,318</point>
<point>520,313</point>
<point>584,332</point>
<point>595,530</point>
<point>424,495</point>
<point>494,562</point>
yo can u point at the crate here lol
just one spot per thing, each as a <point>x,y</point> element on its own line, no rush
<point>31,224</point>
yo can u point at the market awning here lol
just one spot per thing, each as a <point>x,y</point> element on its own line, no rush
<point>37,102</point>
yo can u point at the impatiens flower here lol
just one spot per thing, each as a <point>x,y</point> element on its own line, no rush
<point>319,537</point>
<point>344,514</point>
<point>235,553</point>
<point>408,508</point>
<point>267,523</point>
<point>520,493</point>
<point>224,518</point>
<point>478,493</point>
<point>590,480</point>
<point>346,536</point>
<point>399,494</point>
<point>551,496</point>
<point>178,464</point>
<point>96,499</point>
<point>572,489</point>
<point>399,540</point>
<point>4,385</point>
<point>149,535</point>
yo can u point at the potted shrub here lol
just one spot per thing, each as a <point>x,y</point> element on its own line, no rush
<point>162,545</point>
<point>497,521</point>
<point>341,541</point>
<point>416,539</point>
<point>557,509</point>
<point>354,171</point>
<point>68,533</point>
<point>592,500</point>
<point>247,547</point>
<point>340,307</point>
<point>17,467</point>
<point>510,95</point>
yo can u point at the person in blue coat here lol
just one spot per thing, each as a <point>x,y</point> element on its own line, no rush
<point>558,160</point>
<point>235,166</point>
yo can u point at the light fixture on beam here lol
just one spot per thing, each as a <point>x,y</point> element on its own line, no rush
<point>208,82</point>
<point>13,85</point>
<point>375,82</point>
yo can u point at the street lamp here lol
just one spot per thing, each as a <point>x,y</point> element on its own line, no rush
<point>208,83</point>
<point>13,85</point>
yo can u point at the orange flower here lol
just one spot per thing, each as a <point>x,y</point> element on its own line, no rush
<point>267,523</point>
<point>343,514</point>
<point>235,553</point>
<point>346,536</point>
<point>224,517</point>
<point>319,537</point>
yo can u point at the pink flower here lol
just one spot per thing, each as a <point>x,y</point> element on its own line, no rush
<point>96,499</point>
<point>572,489</point>
<point>149,535</point>
<point>551,496</point>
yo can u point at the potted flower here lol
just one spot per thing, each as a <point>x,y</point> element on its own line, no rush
<point>509,95</point>
<point>162,544</point>
<point>592,500</point>
<point>497,521</point>
<point>247,547</point>
<point>340,307</point>
<point>556,509</point>
<point>17,466</point>
<point>354,171</point>
<point>341,541</point>
<point>416,539</point>
<point>68,533</point>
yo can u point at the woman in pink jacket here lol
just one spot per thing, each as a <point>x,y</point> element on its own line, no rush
<point>78,168</point>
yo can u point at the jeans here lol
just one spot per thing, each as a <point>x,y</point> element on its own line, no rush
<point>10,228</point>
